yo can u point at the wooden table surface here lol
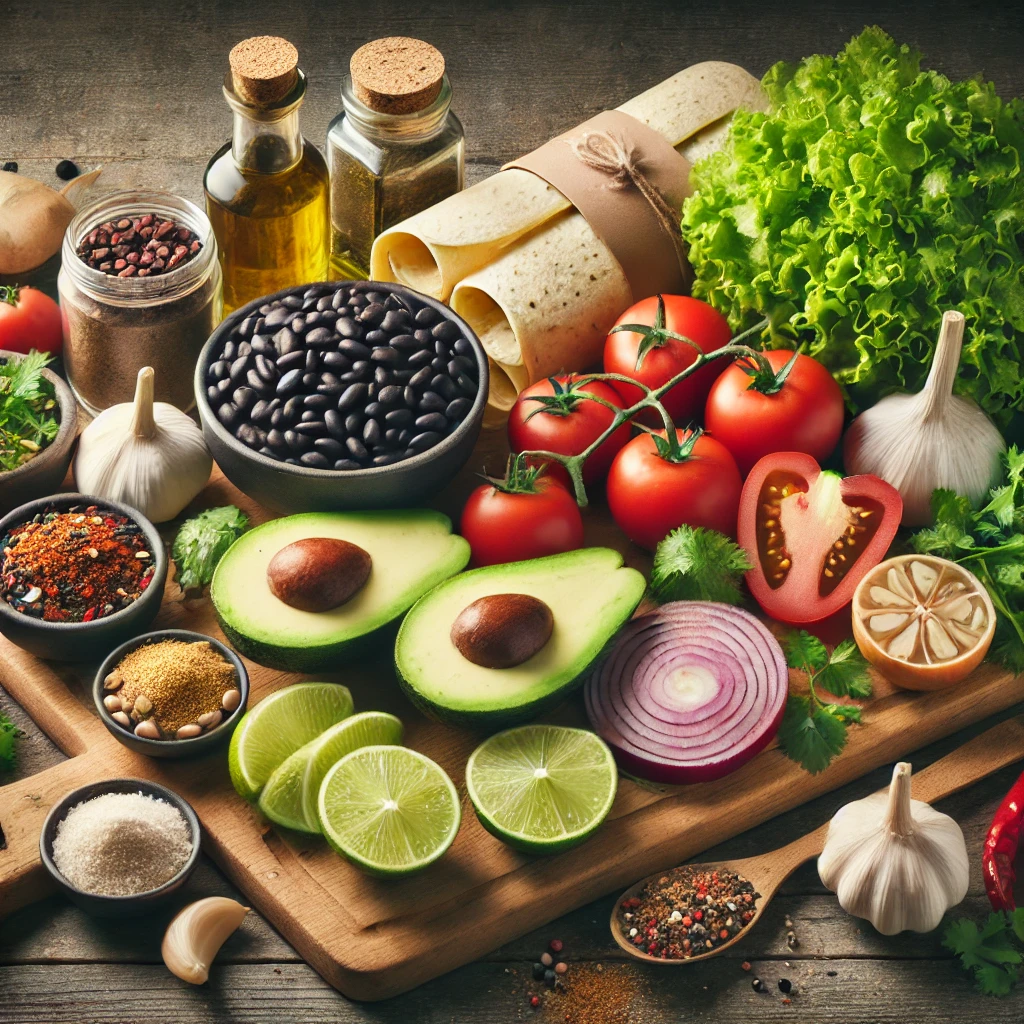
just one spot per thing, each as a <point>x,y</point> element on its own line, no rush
<point>136,87</point>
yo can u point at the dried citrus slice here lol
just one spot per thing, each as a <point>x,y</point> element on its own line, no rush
<point>923,622</point>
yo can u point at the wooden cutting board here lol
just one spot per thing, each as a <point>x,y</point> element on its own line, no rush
<point>372,938</point>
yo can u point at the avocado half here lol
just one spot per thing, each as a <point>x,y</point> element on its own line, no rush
<point>411,551</point>
<point>590,594</point>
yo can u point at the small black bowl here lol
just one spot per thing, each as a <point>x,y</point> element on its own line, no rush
<point>289,489</point>
<point>118,906</point>
<point>84,641</point>
<point>170,748</point>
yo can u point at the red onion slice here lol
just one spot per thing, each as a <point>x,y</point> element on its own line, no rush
<point>689,692</point>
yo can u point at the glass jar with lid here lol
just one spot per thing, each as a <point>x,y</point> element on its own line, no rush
<point>117,321</point>
<point>395,149</point>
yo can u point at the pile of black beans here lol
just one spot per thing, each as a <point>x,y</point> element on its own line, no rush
<point>343,377</point>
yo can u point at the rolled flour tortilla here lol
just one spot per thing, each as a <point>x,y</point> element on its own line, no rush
<point>525,269</point>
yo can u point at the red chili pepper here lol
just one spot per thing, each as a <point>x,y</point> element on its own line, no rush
<point>1001,845</point>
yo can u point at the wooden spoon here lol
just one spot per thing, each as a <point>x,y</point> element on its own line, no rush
<point>993,749</point>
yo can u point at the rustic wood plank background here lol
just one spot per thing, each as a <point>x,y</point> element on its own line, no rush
<point>136,87</point>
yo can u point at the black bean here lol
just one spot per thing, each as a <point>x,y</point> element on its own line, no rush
<point>246,433</point>
<point>319,337</point>
<point>404,435</point>
<point>444,386</point>
<point>421,378</point>
<point>339,298</point>
<point>421,358</point>
<point>213,394</point>
<point>244,349</point>
<point>230,352</point>
<point>396,320</point>
<point>353,349</point>
<point>297,442</point>
<point>463,347</point>
<point>347,464</point>
<point>262,388</point>
<point>325,319</point>
<point>356,448</point>
<point>427,316</point>
<point>363,367</point>
<point>268,451</point>
<point>277,418</point>
<point>275,438</point>
<point>424,337</point>
<point>466,386</point>
<point>307,414</point>
<point>238,370</point>
<point>461,364</point>
<point>431,402</point>
<point>337,361</point>
<point>382,376</point>
<point>260,324</point>
<point>247,328</point>
<point>398,418</point>
<point>285,341</point>
<point>405,343</point>
<point>432,421</point>
<point>309,303</point>
<point>352,377</point>
<point>371,433</point>
<point>354,395</point>
<point>409,396</point>
<point>266,369</point>
<point>311,361</point>
<point>318,402</point>
<point>278,316</point>
<point>348,328</point>
<point>377,337</point>
<point>262,344</point>
<point>439,364</point>
<point>458,408</point>
<point>391,437</point>
<point>386,458</point>
<point>442,350</point>
<point>313,318</point>
<point>330,447</point>
<point>374,409</point>
<point>335,424</point>
<point>315,460</point>
<point>291,301</point>
<point>395,301</point>
<point>291,361</point>
<point>390,394</point>
<point>312,428</point>
<point>290,382</point>
<point>244,398</point>
<point>354,422</point>
<point>261,412</point>
<point>427,439</point>
<point>297,325</point>
<point>373,314</point>
<point>292,408</point>
<point>386,354</point>
<point>309,379</point>
<point>402,376</point>
<point>446,330</point>
<point>228,414</point>
<point>292,461</point>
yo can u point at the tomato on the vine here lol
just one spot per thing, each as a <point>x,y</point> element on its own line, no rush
<point>645,346</point>
<point>812,535</point>
<point>528,514</point>
<point>29,319</point>
<point>778,401</point>
<point>656,484</point>
<point>552,416</point>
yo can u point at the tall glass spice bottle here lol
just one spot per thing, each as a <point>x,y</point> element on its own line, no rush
<point>395,149</point>
<point>267,189</point>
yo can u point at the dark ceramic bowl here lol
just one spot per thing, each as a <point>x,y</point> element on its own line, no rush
<point>84,641</point>
<point>171,748</point>
<point>118,906</point>
<point>45,473</point>
<point>288,489</point>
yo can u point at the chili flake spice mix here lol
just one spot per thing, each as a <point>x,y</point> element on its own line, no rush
<point>74,566</point>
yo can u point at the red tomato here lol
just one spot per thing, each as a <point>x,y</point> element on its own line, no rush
<point>812,535</point>
<point>29,319</point>
<point>754,414</point>
<point>649,496</point>
<point>503,526</point>
<point>550,416</point>
<point>667,356</point>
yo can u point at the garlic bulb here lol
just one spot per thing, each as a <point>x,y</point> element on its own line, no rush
<point>895,861</point>
<point>196,934</point>
<point>147,454</point>
<point>932,439</point>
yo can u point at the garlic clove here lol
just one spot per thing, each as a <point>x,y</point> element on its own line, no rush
<point>195,936</point>
<point>885,597</point>
<point>903,645</point>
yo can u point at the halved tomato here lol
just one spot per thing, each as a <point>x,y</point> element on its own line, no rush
<point>812,534</point>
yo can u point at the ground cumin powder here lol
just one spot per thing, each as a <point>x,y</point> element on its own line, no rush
<point>596,994</point>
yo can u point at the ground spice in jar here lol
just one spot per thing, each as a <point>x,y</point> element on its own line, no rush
<point>172,689</point>
<point>121,844</point>
<point>74,566</point>
<point>688,913</point>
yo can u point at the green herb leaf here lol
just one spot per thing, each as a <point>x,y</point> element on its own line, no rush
<point>202,542</point>
<point>805,653</point>
<point>9,734</point>
<point>812,738</point>
<point>846,674</point>
<point>989,951</point>
<point>695,564</point>
<point>28,410</point>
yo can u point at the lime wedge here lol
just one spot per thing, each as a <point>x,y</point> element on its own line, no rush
<point>278,726</point>
<point>289,797</point>
<point>542,788</point>
<point>390,810</point>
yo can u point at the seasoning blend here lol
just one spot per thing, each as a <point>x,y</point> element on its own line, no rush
<point>139,286</point>
<point>267,189</point>
<point>395,149</point>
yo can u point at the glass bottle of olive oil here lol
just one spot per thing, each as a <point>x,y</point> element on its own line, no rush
<point>267,192</point>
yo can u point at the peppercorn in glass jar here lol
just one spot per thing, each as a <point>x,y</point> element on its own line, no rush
<point>125,307</point>
<point>395,149</point>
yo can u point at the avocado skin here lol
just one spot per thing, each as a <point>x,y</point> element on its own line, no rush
<point>325,658</point>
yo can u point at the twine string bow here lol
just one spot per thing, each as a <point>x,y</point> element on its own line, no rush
<point>606,152</point>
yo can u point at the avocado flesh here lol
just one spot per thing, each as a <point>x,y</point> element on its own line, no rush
<point>590,593</point>
<point>411,552</point>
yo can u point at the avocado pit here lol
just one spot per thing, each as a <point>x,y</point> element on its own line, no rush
<point>316,574</point>
<point>502,630</point>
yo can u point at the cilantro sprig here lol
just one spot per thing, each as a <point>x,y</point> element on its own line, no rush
<point>201,543</point>
<point>994,952</point>
<point>989,542</point>
<point>813,730</point>
<point>696,564</point>
<point>28,416</point>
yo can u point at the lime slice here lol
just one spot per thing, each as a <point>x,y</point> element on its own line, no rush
<point>278,726</point>
<point>390,810</point>
<point>289,797</point>
<point>542,788</point>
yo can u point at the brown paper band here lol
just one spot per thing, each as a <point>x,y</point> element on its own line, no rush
<point>626,220</point>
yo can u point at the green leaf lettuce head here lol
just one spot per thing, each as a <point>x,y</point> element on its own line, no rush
<point>202,542</point>
<point>871,197</point>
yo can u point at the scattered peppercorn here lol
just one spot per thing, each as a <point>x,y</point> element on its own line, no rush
<point>664,921</point>
<point>12,166</point>
<point>538,972</point>
<point>535,1001</point>
<point>74,566</point>
<point>787,1002</point>
<point>785,985</point>
<point>561,967</point>
<point>547,959</point>
<point>745,966</point>
<point>549,978</point>
<point>66,170</point>
<point>556,946</point>
<point>758,985</point>
<point>832,974</point>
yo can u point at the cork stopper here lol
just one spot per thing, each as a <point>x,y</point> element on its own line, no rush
<point>263,69</point>
<point>397,75</point>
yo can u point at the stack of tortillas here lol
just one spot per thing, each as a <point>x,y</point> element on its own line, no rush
<point>524,268</point>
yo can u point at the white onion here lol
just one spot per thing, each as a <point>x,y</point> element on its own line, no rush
<point>689,692</point>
